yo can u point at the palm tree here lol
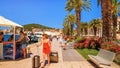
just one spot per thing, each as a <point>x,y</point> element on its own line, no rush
<point>115,10</point>
<point>84,28</point>
<point>71,19</point>
<point>66,28</point>
<point>106,17</point>
<point>95,24</point>
<point>78,6</point>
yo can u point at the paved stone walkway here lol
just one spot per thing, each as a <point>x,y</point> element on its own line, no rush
<point>71,54</point>
<point>70,58</point>
<point>67,59</point>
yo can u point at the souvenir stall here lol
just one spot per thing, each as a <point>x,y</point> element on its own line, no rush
<point>8,49</point>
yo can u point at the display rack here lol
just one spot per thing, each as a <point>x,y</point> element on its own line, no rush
<point>8,50</point>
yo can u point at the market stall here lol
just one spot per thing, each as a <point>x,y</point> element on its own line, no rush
<point>8,23</point>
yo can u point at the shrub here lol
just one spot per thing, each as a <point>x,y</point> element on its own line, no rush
<point>92,44</point>
<point>79,39</point>
<point>116,49</point>
<point>86,43</point>
<point>107,45</point>
<point>69,40</point>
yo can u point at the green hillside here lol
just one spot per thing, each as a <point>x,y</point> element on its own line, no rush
<point>30,26</point>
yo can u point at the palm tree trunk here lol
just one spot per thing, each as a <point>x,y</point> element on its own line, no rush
<point>78,21</point>
<point>71,29</point>
<point>86,31</point>
<point>106,16</point>
<point>95,30</point>
<point>68,32</point>
<point>109,18</point>
<point>103,18</point>
<point>114,18</point>
<point>82,31</point>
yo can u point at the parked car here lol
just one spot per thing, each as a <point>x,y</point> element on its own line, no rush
<point>38,34</point>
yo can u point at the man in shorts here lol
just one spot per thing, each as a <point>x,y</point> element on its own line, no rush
<point>60,40</point>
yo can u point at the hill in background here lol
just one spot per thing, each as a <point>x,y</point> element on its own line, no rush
<point>30,26</point>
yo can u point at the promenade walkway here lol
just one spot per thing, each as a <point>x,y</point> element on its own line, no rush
<point>69,58</point>
<point>71,54</point>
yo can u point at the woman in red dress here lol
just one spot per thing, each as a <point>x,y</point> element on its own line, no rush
<point>46,48</point>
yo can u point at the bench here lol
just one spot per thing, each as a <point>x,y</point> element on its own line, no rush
<point>103,58</point>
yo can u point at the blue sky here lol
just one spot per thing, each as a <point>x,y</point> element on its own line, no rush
<point>46,12</point>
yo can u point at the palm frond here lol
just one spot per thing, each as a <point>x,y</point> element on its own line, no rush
<point>69,6</point>
<point>86,5</point>
<point>98,2</point>
<point>115,7</point>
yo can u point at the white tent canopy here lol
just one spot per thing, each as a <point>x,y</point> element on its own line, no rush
<point>6,22</point>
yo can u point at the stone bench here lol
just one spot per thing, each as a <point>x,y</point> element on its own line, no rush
<point>103,58</point>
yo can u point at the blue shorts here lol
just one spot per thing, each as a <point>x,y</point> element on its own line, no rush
<point>24,46</point>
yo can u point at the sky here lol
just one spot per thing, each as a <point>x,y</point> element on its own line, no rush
<point>45,12</point>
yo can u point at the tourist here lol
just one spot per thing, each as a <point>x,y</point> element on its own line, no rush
<point>27,47</point>
<point>28,51</point>
<point>65,42</point>
<point>27,39</point>
<point>11,38</point>
<point>1,37</point>
<point>51,38</point>
<point>45,41</point>
<point>22,41</point>
<point>57,37</point>
<point>73,41</point>
<point>60,40</point>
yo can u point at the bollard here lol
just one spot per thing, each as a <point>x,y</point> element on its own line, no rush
<point>36,61</point>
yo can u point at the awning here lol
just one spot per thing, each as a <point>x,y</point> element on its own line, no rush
<point>6,22</point>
